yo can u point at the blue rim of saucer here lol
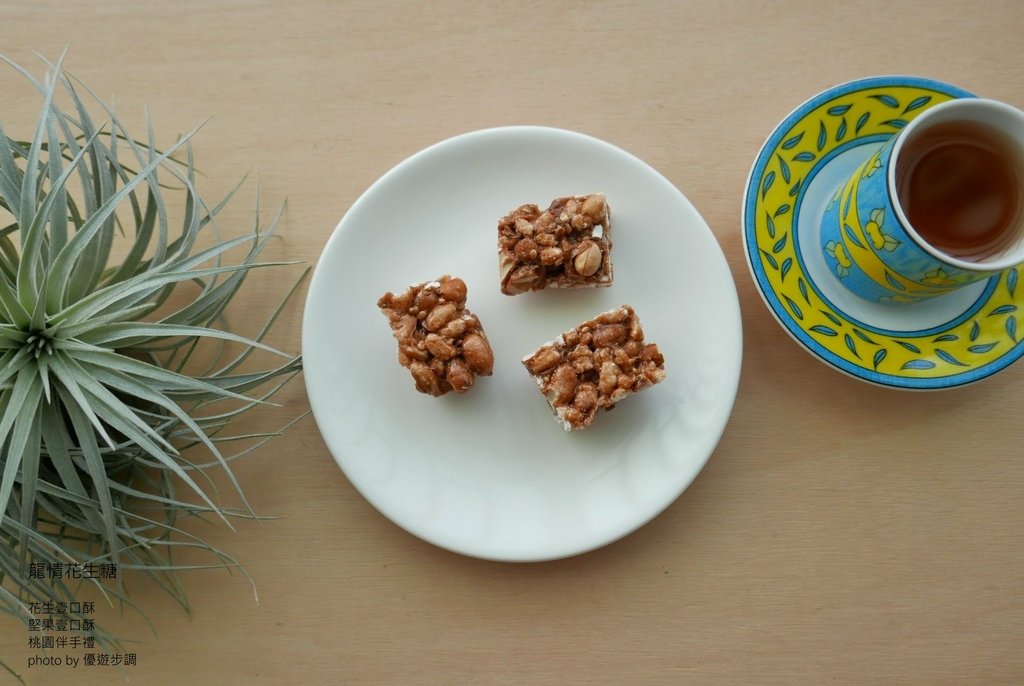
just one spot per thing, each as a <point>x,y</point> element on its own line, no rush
<point>771,297</point>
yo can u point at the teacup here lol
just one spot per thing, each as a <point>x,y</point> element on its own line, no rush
<point>938,207</point>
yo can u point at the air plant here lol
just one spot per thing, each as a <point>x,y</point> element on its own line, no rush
<point>119,380</point>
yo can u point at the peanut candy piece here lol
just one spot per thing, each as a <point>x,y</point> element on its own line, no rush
<point>440,341</point>
<point>594,366</point>
<point>566,246</point>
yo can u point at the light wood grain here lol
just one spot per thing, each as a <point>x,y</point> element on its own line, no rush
<point>840,534</point>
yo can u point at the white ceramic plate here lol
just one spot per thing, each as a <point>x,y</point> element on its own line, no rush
<point>491,473</point>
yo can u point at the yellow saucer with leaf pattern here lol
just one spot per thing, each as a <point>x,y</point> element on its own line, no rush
<point>947,341</point>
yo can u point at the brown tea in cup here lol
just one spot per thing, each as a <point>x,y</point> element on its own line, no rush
<point>959,183</point>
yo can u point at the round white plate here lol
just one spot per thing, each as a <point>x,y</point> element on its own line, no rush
<point>491,474</point>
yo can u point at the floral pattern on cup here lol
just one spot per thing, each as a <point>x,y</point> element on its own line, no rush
<point>871,252</point>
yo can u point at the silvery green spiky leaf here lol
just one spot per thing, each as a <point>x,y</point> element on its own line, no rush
<point>106,426</point>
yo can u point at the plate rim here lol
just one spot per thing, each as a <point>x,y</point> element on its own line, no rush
<point>730,308</point>
<point>975,373</point>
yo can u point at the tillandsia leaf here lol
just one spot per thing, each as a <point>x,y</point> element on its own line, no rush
<point>264,438</point>
<point>29,472</point>
<point>58,234</point>
<point>67,257</point>
<point>73,148</point>
<point>43,362</point>
<point>95,469</point>
<point>10,175</point>
<point>210,305</point>
<point>58,446</point>
<point>33,223</point>
<point>141,439</point>
<point>167,381</point>
<point>9,257</point>
<point>16,428</point>
<point>134,334</point>
<point>37,321</point>
<point>222,419</point>
<point>10,671</point>
<point>113,412</point>
<point>96,250</point>
<point>217,355</point>
<point>63,369</point>
<point>90,269</point>
<point>152,153</point>
<point>129,314</point>
<point>146,284</point>
<point>234,364</point>
<point>164,232</point>
<point>127,384</point>
<point>257,241</point>
<point>240,383</point>
<point>143,235</point>
<point>134,262</point>
<point>12,365</point>
<point>30,179</point>
<point>12,601</point>
<point>13,311</point>
<point>28,288</point>
<point>12,338</point>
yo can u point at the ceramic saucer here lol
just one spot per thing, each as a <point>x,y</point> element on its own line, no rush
<point>948,341</point>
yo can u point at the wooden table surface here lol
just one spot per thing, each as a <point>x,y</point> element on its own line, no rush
<point>840,533</point>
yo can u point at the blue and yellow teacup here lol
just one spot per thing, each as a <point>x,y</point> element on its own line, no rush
<point>872,246</point>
